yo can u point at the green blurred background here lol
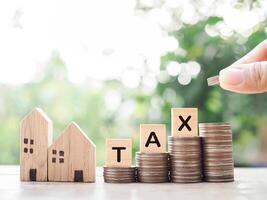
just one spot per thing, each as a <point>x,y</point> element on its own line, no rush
<point>108,108</point>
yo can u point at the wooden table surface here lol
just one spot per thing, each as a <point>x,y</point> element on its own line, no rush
<point>251,183</point>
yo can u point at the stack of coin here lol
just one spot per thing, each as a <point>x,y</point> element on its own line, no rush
<point>119,174</point>
<point>218,165</point>
<point>185,159</point>
<point>152,167</point>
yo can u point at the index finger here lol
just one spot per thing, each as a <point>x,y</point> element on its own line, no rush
<point>258,54</point>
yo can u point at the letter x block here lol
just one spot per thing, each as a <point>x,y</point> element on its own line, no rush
<point>118,153</point>
<point>153,138</point>
<point>184,122</point>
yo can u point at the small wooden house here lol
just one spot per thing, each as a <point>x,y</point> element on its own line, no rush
<point>35,137</point>
<point>72,157</point>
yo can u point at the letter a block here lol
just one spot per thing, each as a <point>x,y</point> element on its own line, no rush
<point>153,138</point>
<point>118,153</point>
<point>184,122</point>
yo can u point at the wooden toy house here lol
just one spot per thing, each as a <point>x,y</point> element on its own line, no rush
<point>35,137</point>
<point>72,157</point>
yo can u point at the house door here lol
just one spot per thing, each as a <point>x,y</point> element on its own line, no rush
<point>32,174</point>
<point>78,175</point>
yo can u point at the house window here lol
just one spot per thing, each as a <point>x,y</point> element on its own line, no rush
<point>25,141</point>
<point>59,156</point>
<point>61,153</point>
<point>27,145</point>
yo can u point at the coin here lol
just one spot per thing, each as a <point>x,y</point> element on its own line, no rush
<point>119,174</point>
<point>152,167</point>
<point>185,159</point>
<point>214,80</point>
<point>217,148</point>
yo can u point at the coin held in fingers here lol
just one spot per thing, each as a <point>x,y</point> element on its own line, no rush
<point>214,80</point>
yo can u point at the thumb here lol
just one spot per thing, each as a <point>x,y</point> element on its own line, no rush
<point>245,78</point>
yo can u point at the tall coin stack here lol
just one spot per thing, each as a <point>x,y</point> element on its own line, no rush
<point>217,152</point>
<point>152,167</point>
<point>119,174</point>
<point>185,159</point>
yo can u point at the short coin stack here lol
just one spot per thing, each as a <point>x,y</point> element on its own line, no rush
<point>217,152</point>
<point>185,159</point>
<point>152,167</point>
<point>119,174</point>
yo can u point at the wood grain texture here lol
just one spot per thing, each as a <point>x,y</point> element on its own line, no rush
<point>72,153</point>
<point>35,137</point>
<point>190,117</point>
<point>155,133</point>
<point>112,154</point>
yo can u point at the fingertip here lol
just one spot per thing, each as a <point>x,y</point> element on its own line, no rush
<point>242,79</point>
<point>231,77</point>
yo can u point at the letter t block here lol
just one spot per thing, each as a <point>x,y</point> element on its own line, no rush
<point>118,153</point>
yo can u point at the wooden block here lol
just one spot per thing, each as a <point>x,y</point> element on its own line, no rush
<point>72,157</point>
<point>35,137</point>
<point>118,153</point>
<point>153,138</point>
<point>184,122</point>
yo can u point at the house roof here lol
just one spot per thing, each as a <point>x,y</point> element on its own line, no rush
<point>76,129</point>
<point>38,111</point>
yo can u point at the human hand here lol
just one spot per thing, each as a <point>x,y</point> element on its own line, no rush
<point>248,74</point>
